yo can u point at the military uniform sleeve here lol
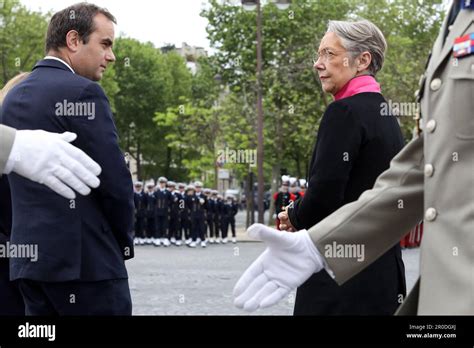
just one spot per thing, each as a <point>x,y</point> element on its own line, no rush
<point>377,220</point>
<point>7,137</point>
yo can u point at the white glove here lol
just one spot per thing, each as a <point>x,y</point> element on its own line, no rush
<point>49,159</point>
<point>289,260</point>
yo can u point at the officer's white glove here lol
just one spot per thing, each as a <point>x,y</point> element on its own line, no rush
<point>49,159</point>
<point>289,260</point>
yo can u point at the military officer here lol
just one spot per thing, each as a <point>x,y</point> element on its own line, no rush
<point>193,207</point>
<point>183,216</point>
<point>200,214</point>
<point>432,177</point>
<point>210,211</point>
<point>282,198</point>
<point>219,217</point>
<point>150,203</point>
<point>230,209</point>
<point>214,221</point>
<point>174,214</point>
<point>163,199</point>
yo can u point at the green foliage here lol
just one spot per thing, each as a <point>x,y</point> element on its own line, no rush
<point>22,34</point>
<point>175,122</point>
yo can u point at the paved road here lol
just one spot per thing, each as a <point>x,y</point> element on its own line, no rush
<point>184,281</point>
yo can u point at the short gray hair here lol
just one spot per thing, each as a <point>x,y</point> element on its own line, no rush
<point>361,36</point>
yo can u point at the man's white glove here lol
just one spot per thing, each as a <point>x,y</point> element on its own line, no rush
<point>49,159</point>
<point>289,260</point>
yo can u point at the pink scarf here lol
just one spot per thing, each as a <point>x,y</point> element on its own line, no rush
<point>359,84</point>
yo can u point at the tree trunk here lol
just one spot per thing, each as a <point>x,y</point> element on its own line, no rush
<point>275,180</point>
<point>139,162</point>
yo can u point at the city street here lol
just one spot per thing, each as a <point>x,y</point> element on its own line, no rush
<point>184,281</point>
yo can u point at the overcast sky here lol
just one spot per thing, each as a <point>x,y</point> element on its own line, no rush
<point>158,21</point>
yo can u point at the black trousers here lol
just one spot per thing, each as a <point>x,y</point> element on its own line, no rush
<point>140,227</point>
<point>106,297</point>
<point>11,301</point>
<point>210,225</point>
<point>185,226</point>
<point>161,227</point>
<point>217,227</point>
<point>174,227</point>
<point>150,227</point>
<point>198,228</point>
<point>225,226</point>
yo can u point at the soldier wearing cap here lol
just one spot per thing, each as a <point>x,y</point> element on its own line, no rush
<point>140,213</point>
<point>210,211</point>
<point>294,188</point>
<point>302,187</point>
<point>163,200</point>
<point>200,215</point>
<point>173,213</point>
<point>150,204</point>
<point>218,220</point>
<point>194,208</point>
<point>214,221</point>
<point>230,209</point>
<point>282,198</point>
<point>182,215</point>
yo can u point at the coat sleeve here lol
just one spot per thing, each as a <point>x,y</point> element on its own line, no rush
<point>339,138</point>
<point>378,219</point>
<point>97,136</point>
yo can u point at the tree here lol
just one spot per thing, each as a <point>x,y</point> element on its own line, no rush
<point>22,35</point>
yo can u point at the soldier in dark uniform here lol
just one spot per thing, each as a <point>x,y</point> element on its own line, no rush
<point>174,228</point>
<point>213,209</point>
<point>184,224</point>
<point>202,214</point>
<point>163,199</point>
<point>228,218</point>
<point>150,204</point>
<point>191,205</point>
<point>140,213</point>
<point>218,216</point>
<point>210,210</point>
<point>282,199</point>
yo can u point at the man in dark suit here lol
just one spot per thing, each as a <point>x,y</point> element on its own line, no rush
<point>82,243</point>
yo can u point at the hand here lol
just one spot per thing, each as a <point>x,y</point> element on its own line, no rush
<point>289,260</point>
<point>49,159</point>
<point>285,223</point>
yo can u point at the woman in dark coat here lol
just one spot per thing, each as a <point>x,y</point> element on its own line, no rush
<point>355,144</point>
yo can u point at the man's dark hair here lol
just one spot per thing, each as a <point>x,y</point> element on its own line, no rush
<point>78,17</point>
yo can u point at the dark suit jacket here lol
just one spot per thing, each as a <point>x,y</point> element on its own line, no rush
<point>87,239</point>
<point>355,145</point>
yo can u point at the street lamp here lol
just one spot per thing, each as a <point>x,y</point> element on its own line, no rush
<point>250,5</point>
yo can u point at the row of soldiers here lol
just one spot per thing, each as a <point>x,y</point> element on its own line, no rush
<point>168,213</point>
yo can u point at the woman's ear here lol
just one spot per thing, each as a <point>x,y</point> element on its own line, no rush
<point>364,60</point>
